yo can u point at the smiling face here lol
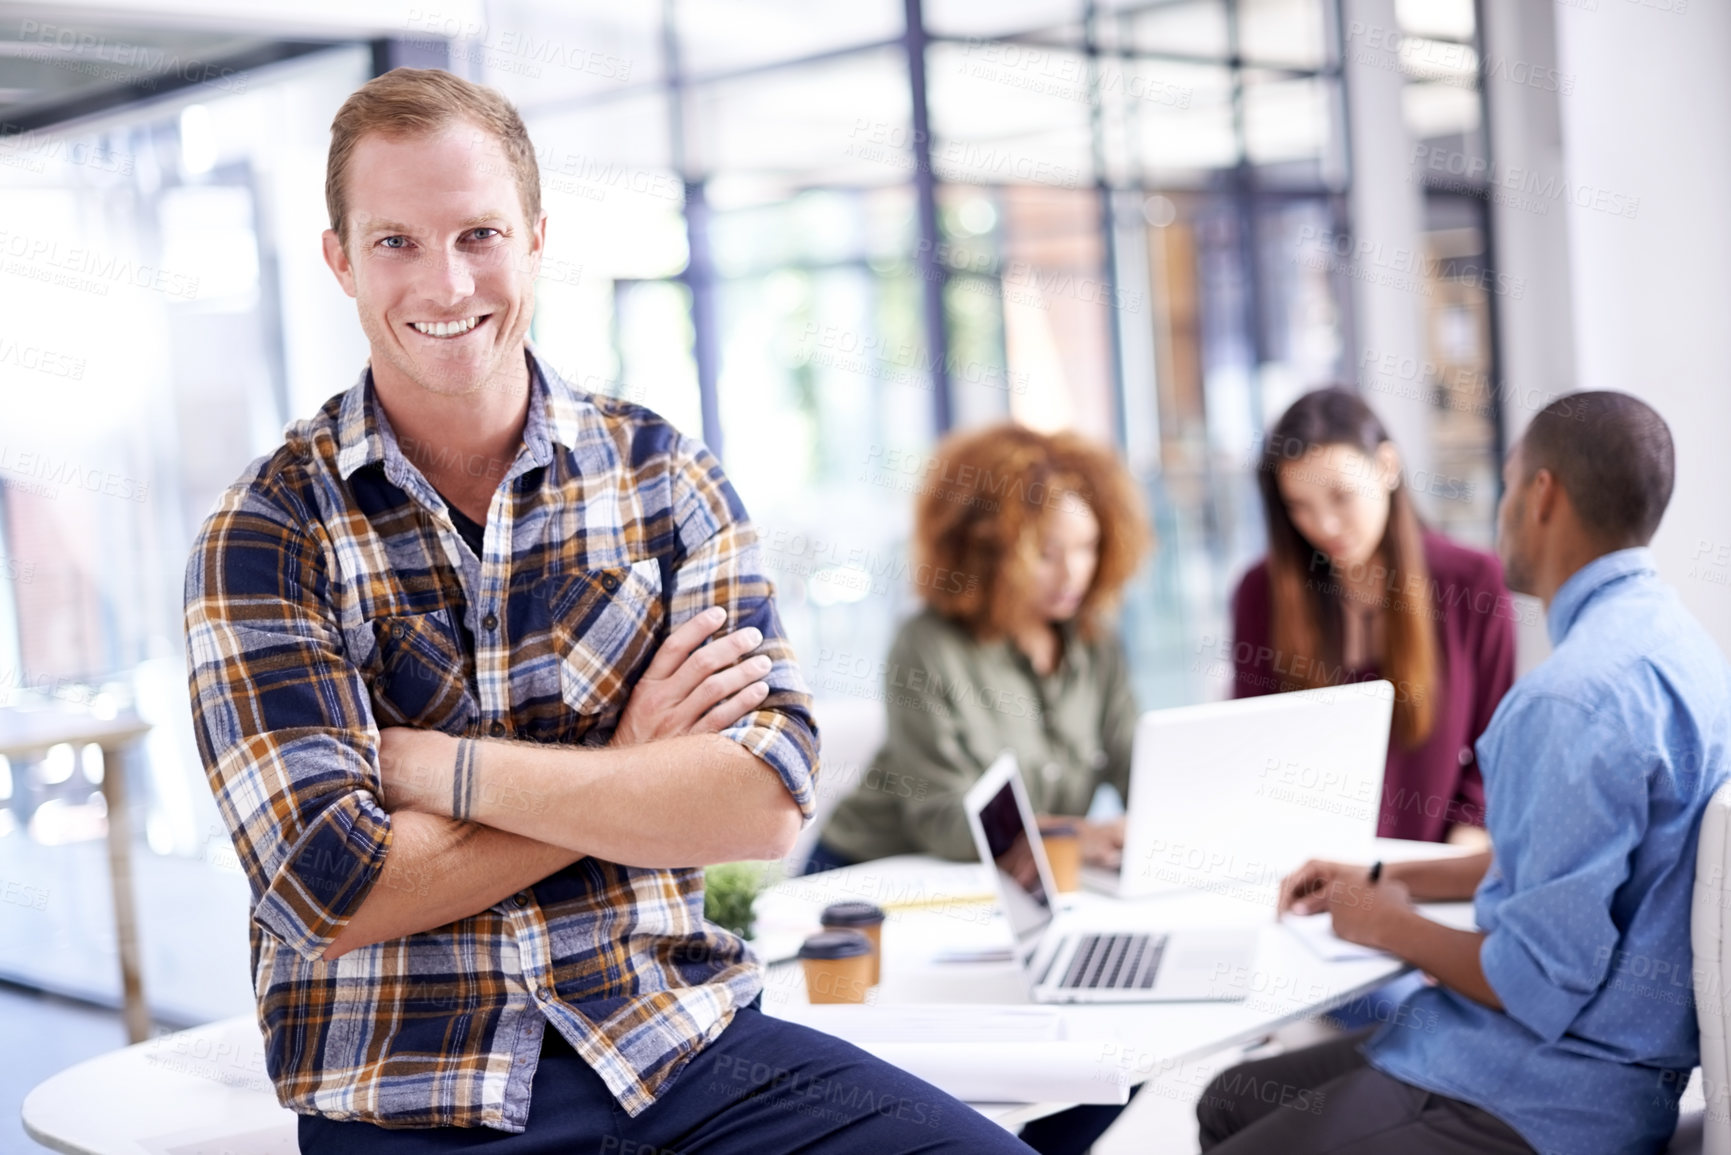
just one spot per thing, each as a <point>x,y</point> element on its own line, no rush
<point>1338,499</point>
<point>440,260</point>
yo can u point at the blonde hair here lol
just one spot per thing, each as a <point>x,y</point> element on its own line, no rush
<point>417,101</point>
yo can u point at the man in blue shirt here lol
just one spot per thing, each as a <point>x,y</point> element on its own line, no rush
<point>1566,1022</point>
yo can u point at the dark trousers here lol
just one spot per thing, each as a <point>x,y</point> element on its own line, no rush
<point>1328,1099</point>
<point>764,1086</point>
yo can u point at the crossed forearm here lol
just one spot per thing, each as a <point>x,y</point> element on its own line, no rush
<point>439,870</point>
<point>687,801</point>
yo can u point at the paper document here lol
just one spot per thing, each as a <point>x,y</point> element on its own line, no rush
<point>979,1053</point>
<point>931,1023</point>
<point>1316,931</point>
<point>1063,1072</point>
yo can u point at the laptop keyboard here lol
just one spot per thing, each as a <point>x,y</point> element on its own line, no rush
<point>1124,962</point>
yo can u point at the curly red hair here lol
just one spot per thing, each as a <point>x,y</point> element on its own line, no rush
<point>987,495</point>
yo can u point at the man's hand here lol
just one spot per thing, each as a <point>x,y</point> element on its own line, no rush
<point>415,769</point>
<point>1364,912</point>
<point>1307,889</point>
<point>1372,915</point>
<point>691,688</point>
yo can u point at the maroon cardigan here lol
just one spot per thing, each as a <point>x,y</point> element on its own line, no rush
<point>1437,784</point>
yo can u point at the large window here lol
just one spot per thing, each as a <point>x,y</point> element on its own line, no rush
<point>819,240</point>
<point>824,243</point>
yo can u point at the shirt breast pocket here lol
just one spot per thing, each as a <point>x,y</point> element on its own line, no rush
<point>606,624</point>
<point>419,676</point>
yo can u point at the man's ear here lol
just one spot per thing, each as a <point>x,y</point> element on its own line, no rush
<point>338,260</point>
<point>1545,495</point>
<point>537,243</point>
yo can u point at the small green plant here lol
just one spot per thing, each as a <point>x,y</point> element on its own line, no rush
<point>729,890</point>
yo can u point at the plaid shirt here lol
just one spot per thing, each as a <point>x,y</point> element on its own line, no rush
<point>329,595</point>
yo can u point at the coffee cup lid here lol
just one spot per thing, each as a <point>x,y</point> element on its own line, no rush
<point>835,944</point>
<point>852,914</point>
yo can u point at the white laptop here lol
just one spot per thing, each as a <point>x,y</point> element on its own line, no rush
<point>1230,796</point>
<point>1065,963</point>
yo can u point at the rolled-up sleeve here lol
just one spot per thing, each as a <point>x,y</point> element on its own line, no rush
<point>283,722</point>
<point>719,564</point>
<point>1559,860</point>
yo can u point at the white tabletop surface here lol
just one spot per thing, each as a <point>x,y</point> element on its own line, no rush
<point>1286,981</point>
<point>205,1091</point>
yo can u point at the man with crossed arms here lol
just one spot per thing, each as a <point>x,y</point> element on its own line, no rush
<point>453,693</point>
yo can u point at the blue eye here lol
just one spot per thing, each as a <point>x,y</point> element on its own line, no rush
<point>387,242</point>
<point>486,229</point>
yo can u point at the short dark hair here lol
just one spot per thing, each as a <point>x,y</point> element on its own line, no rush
<point>1613,456</point>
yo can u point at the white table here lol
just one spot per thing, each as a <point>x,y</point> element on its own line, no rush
<point>1285,983</point>
<point>205,1091</point>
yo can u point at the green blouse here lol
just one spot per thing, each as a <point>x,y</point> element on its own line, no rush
<point>953,705</point>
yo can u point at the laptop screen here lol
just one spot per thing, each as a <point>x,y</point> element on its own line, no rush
<point>1012,845</point>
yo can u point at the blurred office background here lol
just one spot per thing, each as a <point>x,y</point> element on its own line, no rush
<point>821,235</point>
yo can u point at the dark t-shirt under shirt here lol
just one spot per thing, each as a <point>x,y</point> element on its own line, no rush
<point>471,530</point>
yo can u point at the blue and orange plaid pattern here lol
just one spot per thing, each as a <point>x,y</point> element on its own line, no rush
<point>329,595</point>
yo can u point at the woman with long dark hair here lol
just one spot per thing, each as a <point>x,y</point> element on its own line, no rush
<point>1355,587</point>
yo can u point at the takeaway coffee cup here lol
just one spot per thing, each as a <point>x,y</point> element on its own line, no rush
<point>1063,841</point>
<point>865,917</point>
<point>838,966</point>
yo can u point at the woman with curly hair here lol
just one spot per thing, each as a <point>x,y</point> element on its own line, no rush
<point>1022,544</point>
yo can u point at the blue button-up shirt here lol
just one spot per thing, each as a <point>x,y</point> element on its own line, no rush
<point>1597,767</point>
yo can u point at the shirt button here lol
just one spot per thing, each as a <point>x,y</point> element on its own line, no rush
<point>490,622</point>
<point>497,729</point>
<point>1465,757</point>
<point>610,582</point>
<point>521,898</point>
